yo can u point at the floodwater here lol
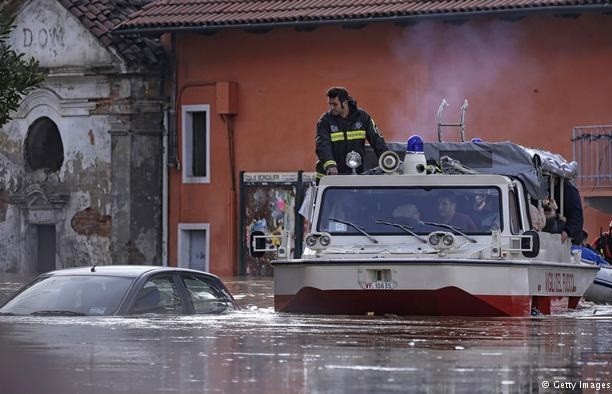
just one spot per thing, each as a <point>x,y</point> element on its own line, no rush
<point>257,350</point>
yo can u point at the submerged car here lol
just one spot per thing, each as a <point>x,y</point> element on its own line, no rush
<point>120,290</point>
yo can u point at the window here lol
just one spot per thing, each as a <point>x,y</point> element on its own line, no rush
<point>205,297</point>
<point>515,220</point>
<point>159,295</point>
<point>196,143</point>
<point>193,246</point>
<point>43,145</point>
<point>80,294</point>
<point>383,210</point>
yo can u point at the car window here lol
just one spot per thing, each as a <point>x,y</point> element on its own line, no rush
<point>205,296</point>
<point>158,295</point>
<point>65,294</point>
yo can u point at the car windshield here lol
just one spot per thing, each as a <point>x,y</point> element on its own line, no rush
<point>378,210</point>
<point>70,296</point>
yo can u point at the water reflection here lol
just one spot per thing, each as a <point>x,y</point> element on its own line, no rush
<point>10,283</point>
<point>259,351</point>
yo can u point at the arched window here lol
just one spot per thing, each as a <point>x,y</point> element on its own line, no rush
<point>43,146</point>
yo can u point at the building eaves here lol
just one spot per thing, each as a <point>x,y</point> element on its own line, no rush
<point>100,17</point>
<point>180,15</point>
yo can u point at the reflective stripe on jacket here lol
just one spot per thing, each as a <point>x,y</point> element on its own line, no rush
<point>337,136</point>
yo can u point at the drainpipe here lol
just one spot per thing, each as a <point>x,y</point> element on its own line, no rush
<point>228,119</point>
<point>165,192</point>
<point>227,109</point>
<point>169,131</point>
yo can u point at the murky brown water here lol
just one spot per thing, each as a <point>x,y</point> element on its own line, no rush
<point>259,351</point>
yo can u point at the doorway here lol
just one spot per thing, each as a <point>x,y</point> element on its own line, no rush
<point>193,246</point>
<point>45,248</point>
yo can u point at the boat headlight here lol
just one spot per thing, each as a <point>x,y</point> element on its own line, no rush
<point>448,240</point>
<point>311,240</point>
<point>318,241</point>
<point>441,240</point>
<point>353,160</point>
<point>434,239</point>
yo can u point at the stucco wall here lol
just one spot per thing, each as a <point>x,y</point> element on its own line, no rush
<point>47,31</point>
<point>529,81</point>
<point>84,176</point>
<point>105,200</point>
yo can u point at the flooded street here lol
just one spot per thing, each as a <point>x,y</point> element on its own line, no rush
<point>257,350</point>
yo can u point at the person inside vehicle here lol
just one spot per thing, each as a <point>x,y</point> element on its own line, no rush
<point>570,225</point>
<point>407,214</point>
<point>447,214</point>
<point>484,212</point>
<point>536,213</point>
<point>342,129</point>
<point>549,206</point>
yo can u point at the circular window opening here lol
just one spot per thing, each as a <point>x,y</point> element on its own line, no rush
<point>43,146</point>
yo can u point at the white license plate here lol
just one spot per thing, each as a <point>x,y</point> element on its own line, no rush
<point>378,285</point>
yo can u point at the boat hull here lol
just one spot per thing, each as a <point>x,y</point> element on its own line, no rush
<point>601,289</point>
<point>447,288</point>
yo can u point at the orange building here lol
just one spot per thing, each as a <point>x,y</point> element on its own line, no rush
<point>253,78</point>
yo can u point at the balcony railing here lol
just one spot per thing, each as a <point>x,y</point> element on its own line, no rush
<point>592,150</point>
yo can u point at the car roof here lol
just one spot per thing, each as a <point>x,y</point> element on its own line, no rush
<point>128,271</point>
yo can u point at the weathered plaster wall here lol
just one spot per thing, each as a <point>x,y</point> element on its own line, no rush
<point>49,32</point>
<point>107,193</point>
<point>84,176</point>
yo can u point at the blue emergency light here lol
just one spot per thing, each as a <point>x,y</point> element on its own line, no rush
<point>414,144</point>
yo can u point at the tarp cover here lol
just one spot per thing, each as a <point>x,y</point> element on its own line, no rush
<point>506,158</point>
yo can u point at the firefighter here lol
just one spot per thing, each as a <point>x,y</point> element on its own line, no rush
<point>342,129</point>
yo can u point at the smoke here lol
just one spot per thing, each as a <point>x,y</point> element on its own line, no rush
<point>455,62</point>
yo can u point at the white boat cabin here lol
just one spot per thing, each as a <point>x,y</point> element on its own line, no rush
<point>429,204</point>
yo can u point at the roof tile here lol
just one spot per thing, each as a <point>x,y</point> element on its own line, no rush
<point>101,16</point>
<point>171,14</point>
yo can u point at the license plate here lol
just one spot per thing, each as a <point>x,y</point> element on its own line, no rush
<point>378,285</point>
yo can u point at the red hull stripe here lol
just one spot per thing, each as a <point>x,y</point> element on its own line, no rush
<point>448,301</point>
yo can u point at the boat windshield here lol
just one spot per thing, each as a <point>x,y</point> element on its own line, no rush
<point>473,210</point>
